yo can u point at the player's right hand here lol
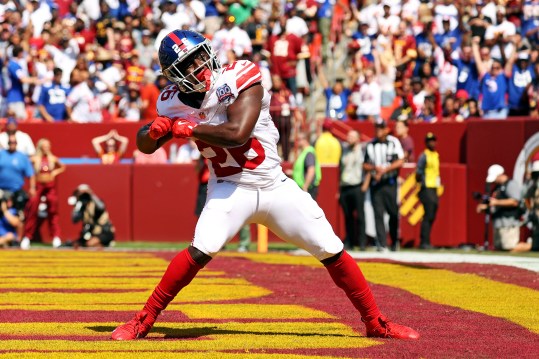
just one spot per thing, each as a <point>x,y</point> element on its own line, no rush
<point>160,127</point>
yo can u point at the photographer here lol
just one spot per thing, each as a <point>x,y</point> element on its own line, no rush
<point>9,220</point>
<point>504,205</point>
<point>97,229</point>
<point>532,203</point>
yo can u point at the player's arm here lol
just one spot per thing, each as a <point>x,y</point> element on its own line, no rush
<point>147,144</point>
<point>242,117</point>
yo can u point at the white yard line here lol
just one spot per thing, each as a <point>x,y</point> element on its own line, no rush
<point>528,263</point>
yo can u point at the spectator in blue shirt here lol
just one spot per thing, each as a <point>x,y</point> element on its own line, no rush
<point>520,74</point>
<point>530,21</point>
<point>214,16</point>
<point>336,96</point>
<point>52,100</point>
<point>324,15</point>
<point>425,44</point>
<point>493,86</point>
<point>9,220</point>
<point>15,167</point>
<point>448,38</point>
<point>362,42</point>
<point>17,77</point>
<point>468,77</point>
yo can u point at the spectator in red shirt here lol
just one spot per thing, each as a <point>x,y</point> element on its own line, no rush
<point>149,93</point>
<point>283,111</point>
<point>134,71</point>
<point>407,142</point>
<point>284,48</point>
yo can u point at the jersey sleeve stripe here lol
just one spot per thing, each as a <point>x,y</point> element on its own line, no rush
<point>251,81</point>
<point>245,69</point>
<point>246,76</point>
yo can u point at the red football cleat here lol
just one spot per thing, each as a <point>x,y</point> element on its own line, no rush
<point>382,327</point>
<point>133,329</point>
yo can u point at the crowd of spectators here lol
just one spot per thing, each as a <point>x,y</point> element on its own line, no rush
<point>445,60</point>
<point>407,61</point>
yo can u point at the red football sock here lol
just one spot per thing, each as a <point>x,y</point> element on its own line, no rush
<point>347,275</point>
<point>180,272</point>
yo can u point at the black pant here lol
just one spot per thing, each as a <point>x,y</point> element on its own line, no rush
<point>352,200</point>
<point>313,191</point>
<point>429,199</point>
<point>384,199</point>
<point>284,126</point>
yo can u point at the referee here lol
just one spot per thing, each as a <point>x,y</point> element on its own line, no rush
<point>383,159</point>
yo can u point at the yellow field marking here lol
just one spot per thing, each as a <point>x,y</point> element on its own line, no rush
<point>104,275</point>
<point>76,271</point>
<point>467,291</point>
<point>250,311</point>
<point>46,254</point>
<point>100,329</point>
<point>85,307</point>
<point>116,271</point>
<point>192,293</point>
<point>99,283</point>
<point>276,258</point>
<point>224,336</point>
<point>87,264</point>
<point>160,355</point>
<point>195,311</point>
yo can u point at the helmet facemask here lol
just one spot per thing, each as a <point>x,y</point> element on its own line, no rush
<point>196,71</point>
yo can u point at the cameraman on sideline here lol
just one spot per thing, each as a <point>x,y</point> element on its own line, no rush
<point>9,220</point>
<point>531,197</point>
<point>504,206</point>
<point>97,229</point>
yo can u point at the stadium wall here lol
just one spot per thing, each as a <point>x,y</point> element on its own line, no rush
<point>135,194</point>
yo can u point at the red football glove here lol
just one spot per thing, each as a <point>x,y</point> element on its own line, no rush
<point>160,127</point>
<point>183,128</point>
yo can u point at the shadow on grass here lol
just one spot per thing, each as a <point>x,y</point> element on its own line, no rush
<point>194,333</point>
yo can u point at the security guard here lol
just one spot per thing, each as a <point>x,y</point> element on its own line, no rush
<point>306,171</point>
<point>428,175</point>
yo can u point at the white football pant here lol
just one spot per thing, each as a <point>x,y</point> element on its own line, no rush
<point>284,208</point>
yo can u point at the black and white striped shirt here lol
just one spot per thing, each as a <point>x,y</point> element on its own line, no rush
<point>382,154</point>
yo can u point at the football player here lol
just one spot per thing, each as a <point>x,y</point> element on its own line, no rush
<point>226,111</point>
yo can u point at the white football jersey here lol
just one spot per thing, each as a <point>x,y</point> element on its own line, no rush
<point>254,164</point>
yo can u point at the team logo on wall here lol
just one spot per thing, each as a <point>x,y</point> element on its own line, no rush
<point>528,154</point>
<point>411,207</point>
<point>224,94</point>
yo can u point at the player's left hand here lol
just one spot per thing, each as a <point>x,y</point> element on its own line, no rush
<point>183,128</point>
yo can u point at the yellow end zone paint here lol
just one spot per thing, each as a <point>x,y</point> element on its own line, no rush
<point>106,283</point>
<point>192,293</point>
<point>163,355</point>
<point>223,336</point>
<point>465,291</point>
<point>251,311</point>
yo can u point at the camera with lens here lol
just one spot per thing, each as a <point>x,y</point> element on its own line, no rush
<point>481,197</point>
<point>79,200</point>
